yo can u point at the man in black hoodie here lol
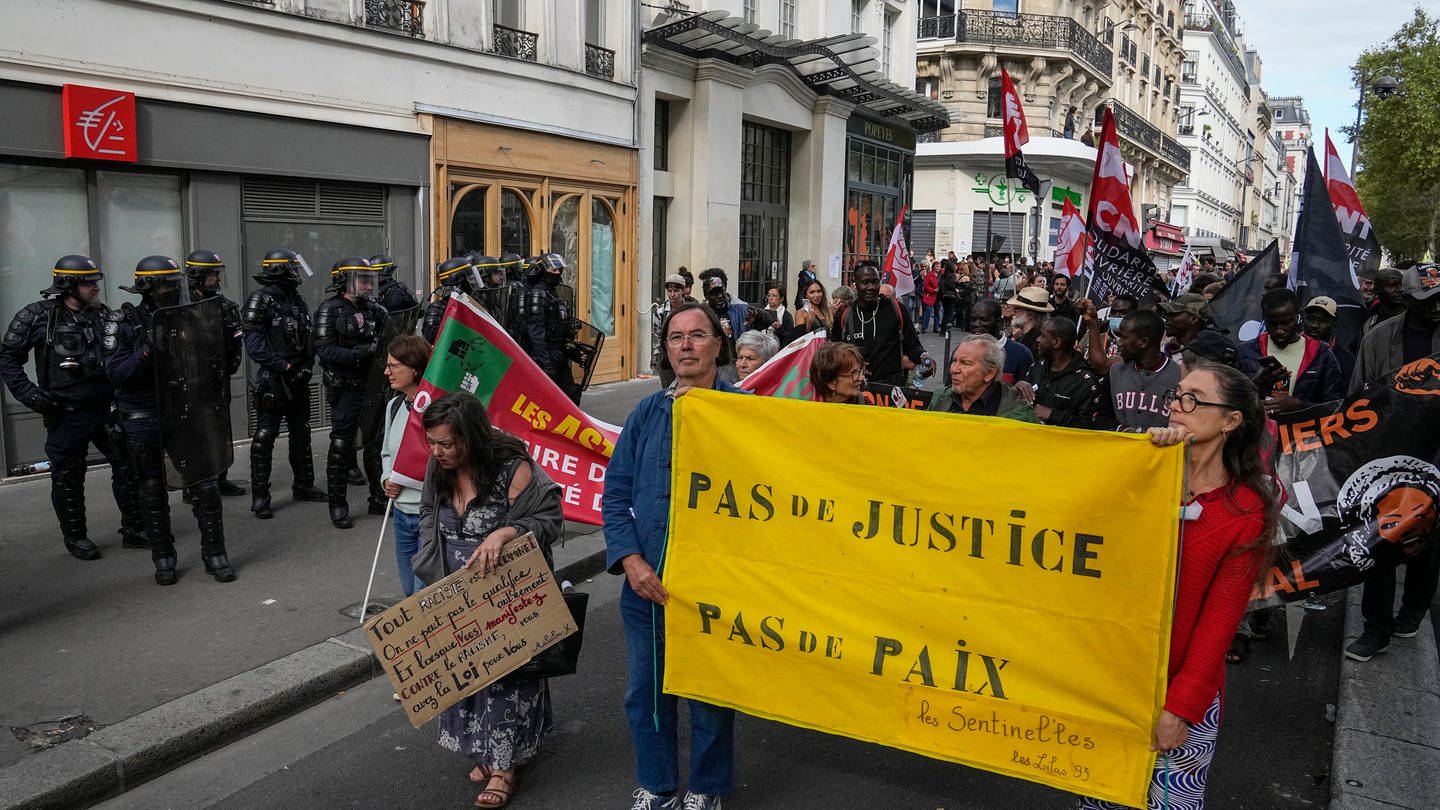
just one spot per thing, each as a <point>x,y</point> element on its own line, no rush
<point>1063,388</point>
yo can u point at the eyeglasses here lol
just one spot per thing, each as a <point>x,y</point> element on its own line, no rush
<point>1188,402</point>
<point>678,338</point>
<point>857,374</point>
<point>393,366</point>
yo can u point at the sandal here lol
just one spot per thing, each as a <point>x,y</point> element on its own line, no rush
<point>1239,649</point>
<point>504,793</point>
<point>481,774</point>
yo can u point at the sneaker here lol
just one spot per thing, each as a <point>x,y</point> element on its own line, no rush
<point>1365,647</point>
<point>1407,626</point>
<point>645,800</point>
<point>701,801</point>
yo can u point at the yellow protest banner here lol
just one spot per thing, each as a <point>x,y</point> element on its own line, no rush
<point>906,588</point>
<point>457,636</point>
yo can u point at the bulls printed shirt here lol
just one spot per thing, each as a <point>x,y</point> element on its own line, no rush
<point>1139,394</point>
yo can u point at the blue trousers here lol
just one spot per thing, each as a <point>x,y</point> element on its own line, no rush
<point>407,542</point>
<point>654,716</point>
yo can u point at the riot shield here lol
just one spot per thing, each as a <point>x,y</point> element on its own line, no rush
<point>496,301</point>
<point>377,388</point>
<point>192,390</point>
<point>582,351</point>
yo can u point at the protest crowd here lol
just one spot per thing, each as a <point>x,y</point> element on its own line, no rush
<point>1219,358</point>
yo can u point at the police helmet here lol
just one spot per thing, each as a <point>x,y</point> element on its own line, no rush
<point>159,279</point>
<point>457,271</point>
<point>354,276</point>
<point>547,263</point>
<point>71,270</point>
<point>281,264</point>
<point>384,265</point>
<point>512,264</point>
<point>201,263</point>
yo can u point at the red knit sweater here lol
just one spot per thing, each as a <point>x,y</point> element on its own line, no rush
<point>1211,592</point>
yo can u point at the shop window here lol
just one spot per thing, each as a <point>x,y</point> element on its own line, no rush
<point>467,225</point>
<point>602,266</point>
<point>139,217</point>
<point>514,224</point>
<point>44,214</point>
<point>764,210</point>
<point>565,233</point>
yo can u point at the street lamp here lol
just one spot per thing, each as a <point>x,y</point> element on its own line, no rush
<point>1384,87</point>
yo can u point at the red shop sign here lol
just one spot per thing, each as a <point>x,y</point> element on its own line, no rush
<point>99,123</point>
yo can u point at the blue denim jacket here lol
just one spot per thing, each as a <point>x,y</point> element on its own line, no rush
<point>636,507</point>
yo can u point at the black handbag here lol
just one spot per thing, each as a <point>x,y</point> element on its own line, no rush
<point>562,658</point>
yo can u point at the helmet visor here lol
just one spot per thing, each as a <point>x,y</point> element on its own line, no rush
<point>304,266</point>
<point>361,283</point>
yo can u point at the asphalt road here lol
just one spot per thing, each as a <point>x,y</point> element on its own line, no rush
<point>357,750</point>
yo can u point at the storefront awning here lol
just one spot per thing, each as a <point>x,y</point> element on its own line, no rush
<point>844,66</point>
<point>1165,238</point>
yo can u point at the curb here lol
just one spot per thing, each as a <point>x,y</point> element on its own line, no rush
<point>119,757</point>
<point>1387,722</point>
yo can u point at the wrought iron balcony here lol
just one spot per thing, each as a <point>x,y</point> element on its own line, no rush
<point>599,61</point>
<point>402,16</point>
<point>1135,128</point>
<point>515,43</point>
<point>1023,30</point>
<point>1211,24</point>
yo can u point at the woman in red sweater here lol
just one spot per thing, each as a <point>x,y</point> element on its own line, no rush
<point>1230,516</point>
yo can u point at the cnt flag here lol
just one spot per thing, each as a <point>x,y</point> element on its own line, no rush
<point>1360,237</point>
<point>1118,263</point>
<point>1016,136</point>
<point>1070,246</point>
<point>897,260</point>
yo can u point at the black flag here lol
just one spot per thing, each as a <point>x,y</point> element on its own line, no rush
<point>1236,308</point>
<point>1321,262</point>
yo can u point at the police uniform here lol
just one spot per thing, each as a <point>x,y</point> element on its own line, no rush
<point>130,365</point>
<point>548,323</point>
<point>347,330</point>
<point>394,295</point>
<point>74,398</point>
<point>276,335</point>
<point>198,265</point>
<point>455,273</point>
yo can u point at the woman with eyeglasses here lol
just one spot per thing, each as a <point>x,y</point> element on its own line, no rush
<point>837,373</point>
<point>1230,518</point>
<point>404,366</point>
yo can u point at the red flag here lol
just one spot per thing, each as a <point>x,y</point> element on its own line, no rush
<point>787,374</point>
<point>1120,264</point>
<point>473,353</point>
<point>1016,135</point>
<point>897,260</point>
<point>1070,247</point>
<point>1360,238</point>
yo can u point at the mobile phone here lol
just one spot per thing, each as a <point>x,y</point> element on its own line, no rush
<point>1271,364</point>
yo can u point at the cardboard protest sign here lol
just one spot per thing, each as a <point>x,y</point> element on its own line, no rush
<point>948,615</point>
<point>455,637</point>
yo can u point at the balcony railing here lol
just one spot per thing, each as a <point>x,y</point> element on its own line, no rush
<point>402,16</point>
<point>515,43</point>
<point>1211,24</point>
<point>1025,30</point>
<point>1134,127</point>
<point>599,61</point>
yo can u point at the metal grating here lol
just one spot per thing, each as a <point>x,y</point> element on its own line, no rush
<point>351,203</point>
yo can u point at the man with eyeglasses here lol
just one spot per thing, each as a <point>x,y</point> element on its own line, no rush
<point>636,510</point>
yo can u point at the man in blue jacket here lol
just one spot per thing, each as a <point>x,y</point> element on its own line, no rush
<point>1292,369</point>
<point>636,510</point>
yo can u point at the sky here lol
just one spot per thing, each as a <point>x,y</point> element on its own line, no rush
<point>1307,47</point>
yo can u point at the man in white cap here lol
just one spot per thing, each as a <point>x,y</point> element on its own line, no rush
<point>674,299</point>
<point>1319,323</point>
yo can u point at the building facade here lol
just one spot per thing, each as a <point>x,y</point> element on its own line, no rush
<point>1292,123</point>
<point>1215,100</point>
<point>410,128</point>
<point>1062,56</point>
<point>777,138</point>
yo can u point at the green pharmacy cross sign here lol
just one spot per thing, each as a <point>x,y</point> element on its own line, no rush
<point>1000,190</point>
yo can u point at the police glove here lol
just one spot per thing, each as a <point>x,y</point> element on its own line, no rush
<point>296,376</point>
<point>44,404</point>
<point>367,350</point>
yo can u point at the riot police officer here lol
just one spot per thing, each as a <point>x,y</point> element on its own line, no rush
<point>455,273</point>
<point>204,271</point>
<point>394,295</point>
<point>347,333</point>
<point>276,324</point>
<point>548,322</point>
<point>73,397</point>
<point>130,346</point>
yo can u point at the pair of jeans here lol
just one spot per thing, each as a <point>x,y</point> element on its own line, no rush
<point>653,716</point>
<point>407,542</point>
<point>928,313</point>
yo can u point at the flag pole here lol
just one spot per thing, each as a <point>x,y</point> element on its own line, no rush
<point>375,563</point>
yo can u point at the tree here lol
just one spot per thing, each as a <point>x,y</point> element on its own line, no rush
<point>1398,175</point>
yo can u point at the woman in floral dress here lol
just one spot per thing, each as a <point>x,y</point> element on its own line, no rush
<point>481,491</point>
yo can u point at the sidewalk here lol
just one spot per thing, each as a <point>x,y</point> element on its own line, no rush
<point>111,679</point>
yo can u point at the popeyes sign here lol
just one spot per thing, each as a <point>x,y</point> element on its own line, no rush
<point>99,123</point>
